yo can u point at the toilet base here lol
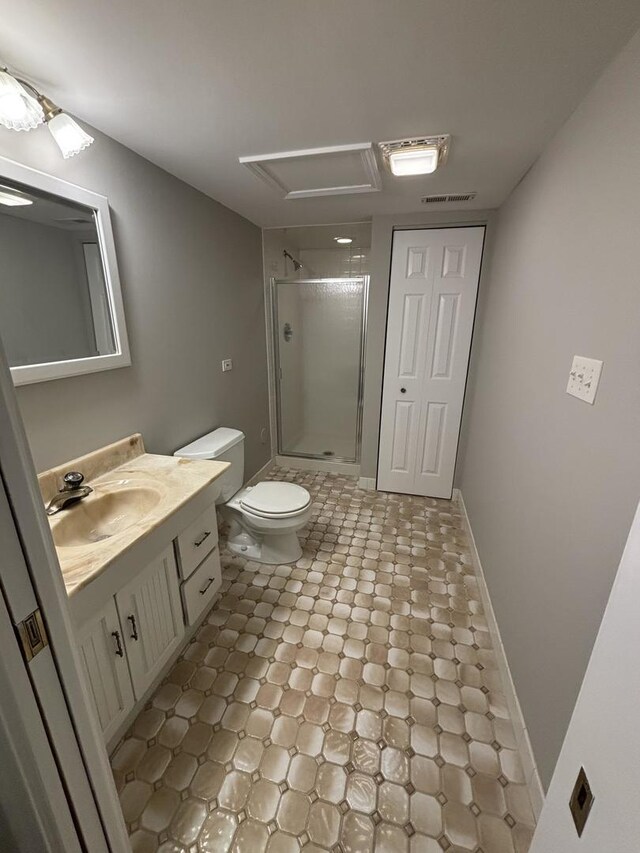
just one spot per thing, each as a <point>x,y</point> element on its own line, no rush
<point>272,548</point>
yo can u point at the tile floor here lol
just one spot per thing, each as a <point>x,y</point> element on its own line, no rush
<point>349,703</point>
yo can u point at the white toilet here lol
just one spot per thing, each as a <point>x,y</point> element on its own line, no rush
<point>263,519</point>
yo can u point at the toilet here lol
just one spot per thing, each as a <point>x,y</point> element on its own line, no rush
<point>264,519</point>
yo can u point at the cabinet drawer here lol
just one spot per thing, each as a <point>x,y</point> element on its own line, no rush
<point>201,587</point>
<point>198,540</point>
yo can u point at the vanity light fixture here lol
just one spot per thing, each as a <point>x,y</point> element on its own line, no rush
<point>19,110</point>
<point>22,107</point>
<point>66,131</point>
<point>415,156</point>
<point>13,199</point>
<point>343,240</point>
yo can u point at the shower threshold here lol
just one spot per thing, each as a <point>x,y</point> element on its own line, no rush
<point>322,446</point>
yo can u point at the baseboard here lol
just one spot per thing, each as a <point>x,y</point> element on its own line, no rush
<point>367,483</point>
<point>262,473</point>
<point>520,729</point>
<point>304,464</point>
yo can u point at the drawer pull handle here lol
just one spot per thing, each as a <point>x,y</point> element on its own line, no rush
<point>206,586</point>
<point>134,627</point>
<point>116,636</point>
<point>204,536</point>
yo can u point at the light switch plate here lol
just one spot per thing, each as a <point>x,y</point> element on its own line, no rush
<point>227,364</point>
<point>584,377</point>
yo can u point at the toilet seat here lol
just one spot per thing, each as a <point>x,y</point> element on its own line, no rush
<point>270,499</point>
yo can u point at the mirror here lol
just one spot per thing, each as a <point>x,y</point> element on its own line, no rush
<point>60,301</point>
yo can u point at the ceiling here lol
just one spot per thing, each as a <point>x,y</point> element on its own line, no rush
<point>193,85</point>
<point>322,236</point>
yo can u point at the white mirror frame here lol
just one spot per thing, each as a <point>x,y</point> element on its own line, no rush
<point>28,373</point>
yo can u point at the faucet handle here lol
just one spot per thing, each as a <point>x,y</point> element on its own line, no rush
<point>72,480</point>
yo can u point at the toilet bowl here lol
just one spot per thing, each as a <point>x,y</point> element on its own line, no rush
<point>264,519</point>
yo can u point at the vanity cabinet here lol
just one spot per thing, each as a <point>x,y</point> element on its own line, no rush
<point>134,618</point>
<point>102,653</point>
<point>151,619</point>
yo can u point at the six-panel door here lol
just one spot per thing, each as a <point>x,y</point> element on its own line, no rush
<point>432,298</point>
<point>151,618</point>
<point>105,664</point>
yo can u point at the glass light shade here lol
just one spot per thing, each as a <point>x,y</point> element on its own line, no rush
<point>71,138</point>
<point>18,109</point>
<point>414,161</point>
<point>344,240</point>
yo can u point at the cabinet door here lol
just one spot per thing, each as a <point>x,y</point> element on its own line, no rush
<point>105,665</point>
<point>151,617</point>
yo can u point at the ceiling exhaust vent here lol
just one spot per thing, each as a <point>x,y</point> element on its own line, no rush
<point>437,199</point>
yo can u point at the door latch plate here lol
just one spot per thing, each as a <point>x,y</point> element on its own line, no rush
<point>32,634</point>
<point>581,801</point>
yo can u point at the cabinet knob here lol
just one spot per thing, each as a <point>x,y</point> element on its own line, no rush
<point>403,390</point>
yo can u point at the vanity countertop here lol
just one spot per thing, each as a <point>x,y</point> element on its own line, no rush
<point>119,467</point>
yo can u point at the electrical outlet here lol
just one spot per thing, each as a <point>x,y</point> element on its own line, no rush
<point>227,364</point>
<point>584,378</point>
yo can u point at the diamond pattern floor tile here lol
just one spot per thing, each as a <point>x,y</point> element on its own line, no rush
<point>350,702</point>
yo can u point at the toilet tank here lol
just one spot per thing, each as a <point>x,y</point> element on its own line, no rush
<point>223,445</point>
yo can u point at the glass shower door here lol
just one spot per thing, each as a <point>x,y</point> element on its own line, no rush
<point>318,330</point>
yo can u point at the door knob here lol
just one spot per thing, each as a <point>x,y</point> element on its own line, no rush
<point>403,390</point>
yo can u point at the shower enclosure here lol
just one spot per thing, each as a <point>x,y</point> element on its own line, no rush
<point>318,329</point>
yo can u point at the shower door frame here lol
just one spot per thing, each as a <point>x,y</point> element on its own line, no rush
<point>273,282</point>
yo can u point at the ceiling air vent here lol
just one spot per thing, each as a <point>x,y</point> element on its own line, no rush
<point>437,199</point>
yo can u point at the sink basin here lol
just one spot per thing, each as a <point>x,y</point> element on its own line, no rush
<point>111,509</point>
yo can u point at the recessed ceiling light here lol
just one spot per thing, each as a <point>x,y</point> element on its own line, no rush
<point>343,239</point>
<point>415,156</point>
<point>10,199</point>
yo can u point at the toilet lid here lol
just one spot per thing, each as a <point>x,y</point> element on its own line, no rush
<point>269,498</point>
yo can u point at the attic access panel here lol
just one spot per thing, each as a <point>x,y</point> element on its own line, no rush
<point>311,172</point>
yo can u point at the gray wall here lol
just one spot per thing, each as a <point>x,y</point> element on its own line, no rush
<point>191,274</point>
<point>380,261</point>
<point>550,482</point>
<point>45,313</point>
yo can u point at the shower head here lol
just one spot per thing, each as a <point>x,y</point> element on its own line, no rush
<point>296,264</point>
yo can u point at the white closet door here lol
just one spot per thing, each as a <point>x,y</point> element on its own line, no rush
<point>432,299</point>
<point>151,618</point>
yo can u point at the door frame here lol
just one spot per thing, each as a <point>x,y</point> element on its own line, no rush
<point>31,580</point>
<point>434,226</point>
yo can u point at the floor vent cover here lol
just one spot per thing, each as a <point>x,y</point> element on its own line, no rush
<point>436,199</point>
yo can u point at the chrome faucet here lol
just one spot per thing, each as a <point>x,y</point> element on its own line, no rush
<point>72,491</point>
